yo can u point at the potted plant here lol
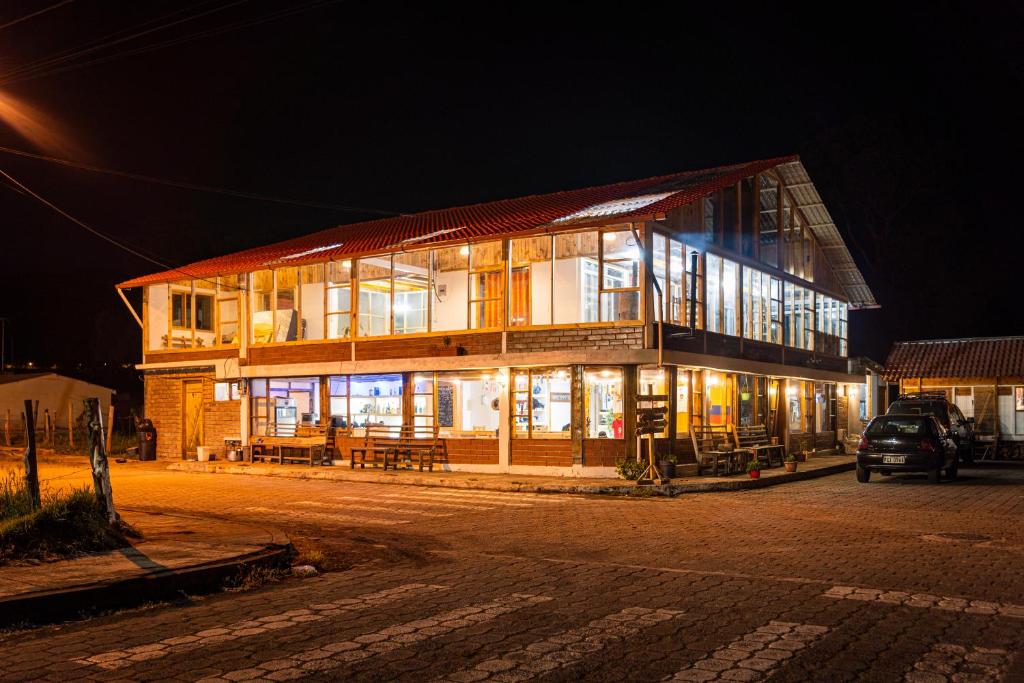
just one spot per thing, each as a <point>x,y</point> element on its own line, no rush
<point>790,463</point>
<point>754,468</point>
<point>667,465</point>
<point>629,468</point>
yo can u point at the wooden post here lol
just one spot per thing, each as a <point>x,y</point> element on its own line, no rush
<point>35,414</point>
<point>31,470</point>
<point>110,428</point>
<point>47,427</point>
<point>98,460</point>
<point>71,427</point>
<point>7,428</point>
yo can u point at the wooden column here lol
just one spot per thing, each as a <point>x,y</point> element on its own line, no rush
<point>31,469</point>
<point>578,418</point>
<point>629,392</point>
<point>98,460</point>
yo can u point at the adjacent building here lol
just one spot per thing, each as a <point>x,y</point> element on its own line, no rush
<point>59,396</point>
<point>524,328</point>
<point>983,376</point>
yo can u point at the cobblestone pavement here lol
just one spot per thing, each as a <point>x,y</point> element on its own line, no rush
<point>823,580</point>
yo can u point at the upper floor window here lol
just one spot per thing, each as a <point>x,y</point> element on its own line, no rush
<point>722,295</point>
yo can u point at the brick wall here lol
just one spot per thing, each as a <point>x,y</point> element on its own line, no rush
<point>603,452</point>
<point>825,440</point>
<point>192,355</point>
<point>300,353</point>
<point>472,451</point>
<point>164,396</point>
<point>425,347</point>
<point>573,338</point>
<point>542,452</point>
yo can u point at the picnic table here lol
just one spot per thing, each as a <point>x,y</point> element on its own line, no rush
<point>712,445</point>
<point>388,445</point>
<point>307,445</point>
<point>755,438</point>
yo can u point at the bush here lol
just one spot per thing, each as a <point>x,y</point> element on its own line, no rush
<point>67,524</point>
<point>629,468</point>
<point>754,465</point>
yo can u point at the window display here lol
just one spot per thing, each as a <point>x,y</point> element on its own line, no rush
<point>542,403</point>
<point>603,403</point>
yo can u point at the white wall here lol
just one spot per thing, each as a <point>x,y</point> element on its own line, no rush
<point>450,309</point>
<point>540,293</point>
<point>313,310</point>
<point>53,392</point>
<point>568,284</point>
<point>156,315</point>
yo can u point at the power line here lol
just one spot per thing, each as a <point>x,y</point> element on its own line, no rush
<point>41,71</point>
<point>194,186</point>
<point>35,14</point>
<point>103,236</point>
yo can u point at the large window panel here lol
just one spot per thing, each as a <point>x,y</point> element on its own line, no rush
<point>311,302</point>
<point>338,406</point>
<point>374,296</point>
<point>730,296</point>
<point>450,284</point>
<point>375,400</point>
<point>339,299</point>
<point>530,297</point>
<point>654,381</point>
<point>659,263</point>
<point>467,403</point>
<point>261,285</point>
<point>675,301</point>
<point>620,276</point>
<point>713,296</point>
<point>603,403</point>
<point>229,290</point>
<point>411,286</point>
<point>576,278</point>
<point>486,285</point>
<point>542,403</point>
<point>287,305</point>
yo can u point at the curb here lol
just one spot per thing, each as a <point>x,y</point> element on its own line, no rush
<point>669,490</point>
<point>164,584</point>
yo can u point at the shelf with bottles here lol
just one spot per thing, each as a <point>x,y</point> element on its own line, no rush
<point>376,410</point>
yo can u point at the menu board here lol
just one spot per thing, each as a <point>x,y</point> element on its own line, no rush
<point>445,405</point>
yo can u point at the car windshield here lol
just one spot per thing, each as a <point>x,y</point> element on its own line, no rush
<point>899,426</point>
<point>919,408</point>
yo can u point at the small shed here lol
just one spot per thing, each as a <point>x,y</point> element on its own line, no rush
<point>54,392</point>
<point>983,376</point>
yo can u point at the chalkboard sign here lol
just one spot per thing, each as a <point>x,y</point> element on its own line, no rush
<point>445,405</point>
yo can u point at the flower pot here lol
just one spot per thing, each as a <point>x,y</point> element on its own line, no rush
<point>790,466</point>
<point>754,474</point>
<point>666,468</point>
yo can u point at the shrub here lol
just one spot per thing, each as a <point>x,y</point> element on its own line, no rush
<point>629,468</point>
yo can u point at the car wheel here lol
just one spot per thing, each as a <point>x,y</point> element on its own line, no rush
<point>952,471</point>
<point>863,474</point>
<point>933,475</point>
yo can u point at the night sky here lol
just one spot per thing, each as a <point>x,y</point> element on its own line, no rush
<point>907,119</point>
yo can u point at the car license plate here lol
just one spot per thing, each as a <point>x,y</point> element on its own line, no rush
<point>894,459</point>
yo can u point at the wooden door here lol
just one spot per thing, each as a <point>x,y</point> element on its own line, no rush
<point>192,418</point>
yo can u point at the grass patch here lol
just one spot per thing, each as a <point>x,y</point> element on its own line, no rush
<point>67,524</point>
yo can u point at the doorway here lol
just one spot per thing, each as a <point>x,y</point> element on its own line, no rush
<point>191,418</point>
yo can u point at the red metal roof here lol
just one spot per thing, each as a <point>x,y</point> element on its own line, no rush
<point>976,357</point>
<point>473,223</point>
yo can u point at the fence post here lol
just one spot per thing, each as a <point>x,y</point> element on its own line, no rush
<point>98,460</point>
<point>47,427</point>
<point>31,470</point>
<point>7,428</point>
<point>71,427</point>
<point>110,428</point>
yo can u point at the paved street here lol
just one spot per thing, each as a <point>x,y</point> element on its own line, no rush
<point>823,580</point>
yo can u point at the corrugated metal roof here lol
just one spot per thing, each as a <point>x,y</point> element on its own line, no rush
<point>618,202</point>
<point>972,357</point>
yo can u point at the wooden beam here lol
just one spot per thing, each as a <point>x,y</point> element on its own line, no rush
<point>135,315</point>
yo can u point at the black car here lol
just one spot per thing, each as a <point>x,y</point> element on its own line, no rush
<point>936,403</point>
<point>906,443</point>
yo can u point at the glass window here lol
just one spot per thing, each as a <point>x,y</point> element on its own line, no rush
<point>730,289</point>
<point>338,393</point>
<point>542,403</point>
<point>485,285</point>
<point>311,301</point>
<point>603,403</point>
<point>660,268</point>
<point>411,281</point>
<point>714,306</point>
<point>339,299</point>
<point>287,306</point>
<point>228,296</point>
<point>374,296</point>
<point>718,393</point>
<point>181,310</point>
<point>262,288</point>
<point>204,312</point>
<point>531,277</point>
<point>620,276</point>
<point>794,411</point>
<point>676,273</point>
<point>654,381</point>
<point>375,400</point>
<point>467,403</point>
<point>226,391</point>
<point>682,402</point>
<point>450,284</point>
<point>423,399</point>
<point>575,278</point>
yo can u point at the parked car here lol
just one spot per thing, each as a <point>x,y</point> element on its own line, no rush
<point>949,416</point>
<point>906,443</point>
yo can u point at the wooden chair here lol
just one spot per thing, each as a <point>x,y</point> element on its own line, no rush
<point>755,438</point>
<point>707,448</point>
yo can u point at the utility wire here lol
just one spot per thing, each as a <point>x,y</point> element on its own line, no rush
<point>42,70</point>
<point>103,236</point>
<point>35,67</point>
<point>194,186</point>
<point>35,14</point>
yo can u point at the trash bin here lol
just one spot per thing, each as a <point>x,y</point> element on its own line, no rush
<point>147,440</point>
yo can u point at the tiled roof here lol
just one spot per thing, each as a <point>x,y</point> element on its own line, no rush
<point>975,357</point>
<point>619,202</point>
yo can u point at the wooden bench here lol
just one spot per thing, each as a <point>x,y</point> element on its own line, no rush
<point>391,445</point>
<point>755,438</point>
<point>710,444</point>
<point>310,440</point>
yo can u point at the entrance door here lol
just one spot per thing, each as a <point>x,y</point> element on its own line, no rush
<point>192,419</point>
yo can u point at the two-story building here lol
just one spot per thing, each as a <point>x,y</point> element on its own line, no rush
<point>522,328</point>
